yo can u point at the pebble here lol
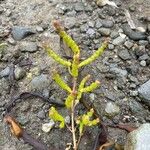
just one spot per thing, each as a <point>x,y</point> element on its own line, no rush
<point>135,107</point>
<point>5,72</point>
<point>19,32</point>
<point>133,35</point>
<point>104,31</point>
<point>4,85</point>
<point>143,63</point>
<point>90,32</point>
<point>144,92</point>
<point>70,22</point>
<point>67,119</point>
<point>79,7</point>
<point>118,41</point>
<point>111,109</point>
<point>84,28</point>
<point>133,93</point>
<point>107,23</point>
<point>124,54</point>
<point>139,138</point>
<point>40,82</point>
<point>98,24</point>
<point>46,127</point>
<point>111,46</point>
<point>28,47</point>
<point>41,114</point>
<point>39,29</point>
<point>143,57</point>
<point>19,73</point>
<point>118,72</point>
<point>128,44</point>
<point>143,42</point>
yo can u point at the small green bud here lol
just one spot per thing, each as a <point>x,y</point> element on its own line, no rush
<point>75,63</point>
<point>91,87</point>
<point>53,114</point>
<point>94,56</point>
<point>69,101</point>
<point>61,83</point>
<point>81,86</point>
<point>56,57</point>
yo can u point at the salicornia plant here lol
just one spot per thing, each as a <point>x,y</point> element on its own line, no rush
<point>75,92</point>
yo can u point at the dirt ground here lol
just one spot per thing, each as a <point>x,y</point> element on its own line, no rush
<point>78,17</point>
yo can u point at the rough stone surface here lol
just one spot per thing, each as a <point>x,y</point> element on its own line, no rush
<point>119,40</point>
<point>124,54</point>
<point>28,47</point>
<point>111,109</point>
<point>144,92</point>
<point>104,31</point>
<point>19,32</point>
<point>139,138</point>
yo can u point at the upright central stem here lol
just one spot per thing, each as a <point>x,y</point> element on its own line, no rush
<point>72,115</point>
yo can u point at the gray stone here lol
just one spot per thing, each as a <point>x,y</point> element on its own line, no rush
<point>19,73</point>
<point>4,85</point>
<point>111,109</point>
<point>20,33</point>
<point>70,22</point>
<point>84,28</point>
<point>133,35</point>
<point>40,82</point>
<point>41,114</point>
<point>39,29</point>
<point>4,72</point>
<point>98,24</point>
<point>133,93</point>
<point>144,57</point>
<point>90,32</point>
<point>22,119</point>
<point>128,44</point>
<point>124,54</point>
<point>28,47</point>
<point>148,27</point>
<point>91,24</point>
<point>132,8</point>
<point>104,31</point>
<point>114,34</point>
<point>139,138</point>
<point>118,72</point>
<point>118,41</point>
<point>143,63</point>
<point>111,46</point>
<point>107,23</point>
<point>143,42</point>
<point>79,7</point>
<point>144,92</point>
<point>135,107</point>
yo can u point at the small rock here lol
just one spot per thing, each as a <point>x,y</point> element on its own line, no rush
<point>20,33</point>
<point>5,72</point>
<point>143,42</point>
<point>11,41</point>
<point>139,138</point>
<point>124,54</point>
<point>114,34</point>
<point>39,29</point>
<point>144,92</point>
<point>144,57</point>
<point>143,63</point>
<point>41,114</point>
<point>67,120</point>
<point>112,109</point>
<point>111,46</point>
<point>135,107</point>
<point>28,47</point>
<point>107,23</point>
<point>132,8</point>
<point>118,72</point>
<point>128,44</point>
<point>133,93</point>
<point>84,28</point>
<point>22,119</point>
<point>79,7</point>
<point>19,73</point>
<point>70,22</point>
<point>133,35</point>
<point>98,24</point>
<point>104,31</point>
<point>40,82</point>
<point>90,32</point>
<point>118,41</point>
<point>4,85</point>
<point>48,126</point>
